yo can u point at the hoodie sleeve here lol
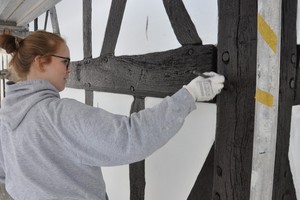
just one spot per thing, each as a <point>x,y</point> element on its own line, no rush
<point>2,173</point>
<point>99,138</point>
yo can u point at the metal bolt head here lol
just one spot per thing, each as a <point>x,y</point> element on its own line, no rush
<point>293,58</point>
<point>132,88</point>
<point>292,84</point>
<point>191,52</point>
<point>225,57</point>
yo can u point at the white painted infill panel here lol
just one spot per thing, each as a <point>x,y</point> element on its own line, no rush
<point>34,12</point>
<point>267,92</point>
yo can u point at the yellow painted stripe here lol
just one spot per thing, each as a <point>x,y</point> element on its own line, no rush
<point>264,97</point>
<point>267,33</point>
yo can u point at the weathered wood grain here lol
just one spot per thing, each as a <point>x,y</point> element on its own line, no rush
<point>155,74</point>
<point>113,26</point>
<point>87,42</point>
<point>283,187</point>
<point>87,28</point>
<point>137,170</point>
<point>297,77</point>
<point>181,22</point>
<point>237,42</point>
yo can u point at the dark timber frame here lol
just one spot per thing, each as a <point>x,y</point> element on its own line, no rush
<point>226,174</point>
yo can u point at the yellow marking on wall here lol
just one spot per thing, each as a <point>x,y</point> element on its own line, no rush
<point>264,97</point>
<point>267,33</point>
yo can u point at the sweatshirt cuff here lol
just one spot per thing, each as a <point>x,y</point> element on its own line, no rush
<point>185,98</point>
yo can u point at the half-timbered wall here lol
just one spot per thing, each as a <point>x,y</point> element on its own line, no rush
<point>226,173</point>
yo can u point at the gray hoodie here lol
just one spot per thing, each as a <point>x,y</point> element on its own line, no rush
<point>53,148</point>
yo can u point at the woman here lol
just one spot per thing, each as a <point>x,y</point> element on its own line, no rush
<point>53,148</point>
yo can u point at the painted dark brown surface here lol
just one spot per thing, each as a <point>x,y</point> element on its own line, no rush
<point>283,187</point>
<point>237,41</point>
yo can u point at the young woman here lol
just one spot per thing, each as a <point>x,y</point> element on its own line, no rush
<point>53,148</point>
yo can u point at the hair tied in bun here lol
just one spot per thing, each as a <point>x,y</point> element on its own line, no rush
<point>17,42</point>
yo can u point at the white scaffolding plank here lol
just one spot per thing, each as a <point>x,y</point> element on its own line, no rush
<point>23,12</point>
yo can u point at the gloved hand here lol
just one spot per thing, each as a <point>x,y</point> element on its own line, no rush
<point>205,89</point>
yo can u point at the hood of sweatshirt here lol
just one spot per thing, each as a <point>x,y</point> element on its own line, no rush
<point>21,97</point>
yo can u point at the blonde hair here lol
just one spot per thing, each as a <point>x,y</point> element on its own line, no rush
<point>24,50</point>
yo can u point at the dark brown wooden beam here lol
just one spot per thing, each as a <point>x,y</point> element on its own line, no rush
<point>87,42</point>
<point>297,77</point>
<point>137,170</point>
<point>87,28</point>
<point>204,183</point>
<point>283,187</point>
<point>113,26</point>
<point>181,22</point>
<point>237,46</point>
<point>155,74</point>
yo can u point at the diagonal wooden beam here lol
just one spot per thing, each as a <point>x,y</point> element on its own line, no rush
<point>181,22</point>
<point>155,74</point>
<point>113,26</point>
<point>204,183</point>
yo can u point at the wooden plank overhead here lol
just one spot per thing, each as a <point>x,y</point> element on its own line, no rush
<point>21,12</point>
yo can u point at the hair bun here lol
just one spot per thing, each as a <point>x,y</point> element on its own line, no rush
<point>18,42</point>
<point>10,43</point>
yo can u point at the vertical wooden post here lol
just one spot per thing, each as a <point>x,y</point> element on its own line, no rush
<point>235,105</point>
<point>137,170</point>
<point>283,187</point>
<point>87,42</point>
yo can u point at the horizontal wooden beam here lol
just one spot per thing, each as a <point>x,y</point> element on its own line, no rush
<point>155,74</point>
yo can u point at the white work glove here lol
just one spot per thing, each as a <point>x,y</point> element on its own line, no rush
<point>205,89</point>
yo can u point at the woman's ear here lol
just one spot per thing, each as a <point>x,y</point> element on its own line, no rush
<point>38,63</point>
